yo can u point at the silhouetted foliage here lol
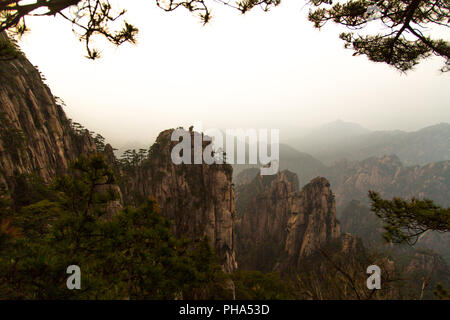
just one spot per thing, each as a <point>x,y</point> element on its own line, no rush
<point>8,48</point>
<point>99,141</point>
<point>442,293</point>
<point>256,285</point>
<point>405,221</point>
<point>131,255</point>
<point>131,159</point>
<point>401,41</point>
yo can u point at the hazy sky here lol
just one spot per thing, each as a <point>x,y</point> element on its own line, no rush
<point>260,70</point>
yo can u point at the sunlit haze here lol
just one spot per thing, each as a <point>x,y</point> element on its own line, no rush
<point>259,70</point>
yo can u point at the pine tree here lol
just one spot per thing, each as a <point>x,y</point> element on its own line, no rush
<point>132,255</point>
<point>403,39</point>
<point>405,221</point>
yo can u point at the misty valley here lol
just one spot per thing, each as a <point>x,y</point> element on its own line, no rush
<point>142,227</point>
<point>322,171</point>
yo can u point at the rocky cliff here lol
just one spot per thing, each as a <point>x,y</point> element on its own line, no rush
<point>37,138</point>
<point>312,221</point>
<point>351,180</point>
<point>278,224</point>
<point>387,175</point>
<point>35,135</point>
<point>198,198</point>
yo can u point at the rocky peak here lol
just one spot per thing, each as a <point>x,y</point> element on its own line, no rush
<point>37,138</point>
<point>198,198</point>
<point>279,225</point>
<point>312,220</point>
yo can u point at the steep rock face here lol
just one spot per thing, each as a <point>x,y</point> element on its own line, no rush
<point>246,176</point>
<point>352,180</point>
<point>312,221</point>
<point>263,208</point>
<point>35,135</point>
<point>37,138</point>
<point>278,225</point>
<point>198,198</point>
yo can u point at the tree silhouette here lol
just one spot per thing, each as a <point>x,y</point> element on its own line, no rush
<point>401,43</point>
<point>405,221</point>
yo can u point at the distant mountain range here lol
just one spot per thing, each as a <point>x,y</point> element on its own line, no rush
<point>343,140</point>
<point>393,163</point>
<point>351,180</point>
<point>274,224</point>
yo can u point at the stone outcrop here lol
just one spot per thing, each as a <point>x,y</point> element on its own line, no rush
<point>279,225</point>
<point>35,135</point>
<point>274,226</point>
<point>37,138</point>
<point>198,198</point>
<point>351,180</point>
<point>312,221</point>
